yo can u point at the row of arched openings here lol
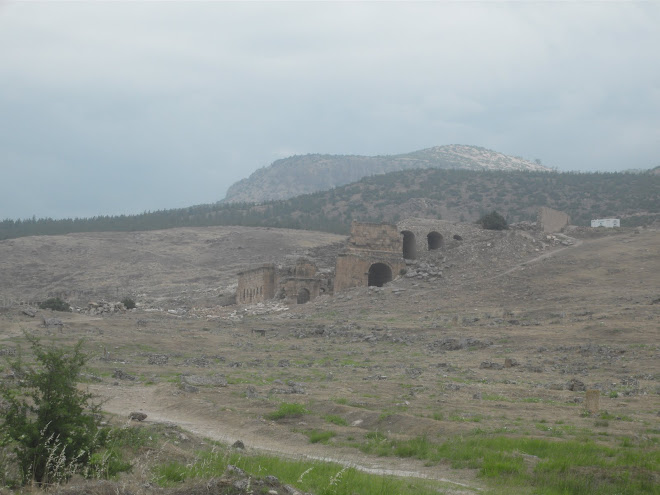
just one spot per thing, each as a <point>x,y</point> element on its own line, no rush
<point>434,241</point>
<point>250,294</point>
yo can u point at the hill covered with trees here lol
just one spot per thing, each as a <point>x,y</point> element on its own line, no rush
<point>303,174</point>
<point>458,195</point>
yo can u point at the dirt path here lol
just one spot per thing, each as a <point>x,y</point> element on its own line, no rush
<point>262,436</point>
<point>542,257</point>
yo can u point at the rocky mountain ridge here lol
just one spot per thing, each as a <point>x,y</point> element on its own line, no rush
<point>303,174</point>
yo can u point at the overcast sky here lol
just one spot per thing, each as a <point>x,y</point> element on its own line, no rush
<point>123,107</point>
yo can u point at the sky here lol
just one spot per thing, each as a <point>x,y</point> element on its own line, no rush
<point>122,107</point>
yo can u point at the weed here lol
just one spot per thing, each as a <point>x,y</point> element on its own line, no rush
<point>336,420</point>
<point>288,410</point>
<point>320,436</point>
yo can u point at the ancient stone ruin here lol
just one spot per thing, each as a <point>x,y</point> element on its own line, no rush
<point>549,220</point>
<point>256,285</point>
<point>374,256</point>
<point>295,285</point>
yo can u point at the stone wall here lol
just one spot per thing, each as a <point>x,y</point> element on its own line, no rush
<point>256,285</point>
<point>383,237</point>
<point>550,220</point>
<point>373,256</point>
<point>426,238</point>
<point>299,290</point>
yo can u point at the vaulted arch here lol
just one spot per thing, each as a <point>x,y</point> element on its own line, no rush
<point>379,274</point>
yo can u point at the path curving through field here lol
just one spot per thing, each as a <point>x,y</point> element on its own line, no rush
<point>162,405</point>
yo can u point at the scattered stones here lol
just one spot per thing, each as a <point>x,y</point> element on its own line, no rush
<point>31,312</point>
<point>188,388</point>
<point>454,344</point>
<point>137,416</point>
<point>200,380</point>
<point>103,308</point>
<point>52,322</point>
<point>199,362</point>
<point>293,388</point>
<point>490,365</point>
<point>122,375</point>
<point>576,385</point>
<point>251,392</point>
<point>158,359</point>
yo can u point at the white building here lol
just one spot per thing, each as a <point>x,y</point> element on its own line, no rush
<point>606,222</point>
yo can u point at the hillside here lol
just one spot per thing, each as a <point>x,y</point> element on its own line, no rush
<point>305,174</point>
<point>457,195</point>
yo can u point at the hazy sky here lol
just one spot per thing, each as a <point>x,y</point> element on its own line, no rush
<point>122,107</point>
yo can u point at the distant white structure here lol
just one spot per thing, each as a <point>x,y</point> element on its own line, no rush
<point>610,223</point>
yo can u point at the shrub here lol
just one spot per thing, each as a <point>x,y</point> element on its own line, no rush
<point>56,304</point>
<point>52,425</point>
<point>128,303</point>
<point>493,221</point>
<point>288,410</point>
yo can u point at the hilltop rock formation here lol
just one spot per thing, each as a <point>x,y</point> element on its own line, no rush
<point>305,174</point>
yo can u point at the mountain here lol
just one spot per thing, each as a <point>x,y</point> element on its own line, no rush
<point>304,174</point>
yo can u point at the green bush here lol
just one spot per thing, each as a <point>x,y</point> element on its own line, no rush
<point>52,426</point>
<point>56,304</point>
<point>493,221</point>
<point>128,303</point>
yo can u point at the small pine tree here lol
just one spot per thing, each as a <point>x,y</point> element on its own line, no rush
<point>128,303</point>
<point>493,221</point>
<point>56,304</point>
<point>52,424</point>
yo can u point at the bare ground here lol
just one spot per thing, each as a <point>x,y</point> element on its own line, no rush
<point>416,357</point>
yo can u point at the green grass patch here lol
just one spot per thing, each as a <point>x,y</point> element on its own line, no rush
<point>320,436</point>
<point>336,420</point>
<point>288,410</point>
<point>320,478</point>
<point>579,466</point>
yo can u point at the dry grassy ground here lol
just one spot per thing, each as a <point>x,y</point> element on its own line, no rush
<point>413,358</point>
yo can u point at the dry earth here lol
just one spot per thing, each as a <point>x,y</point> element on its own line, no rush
<point>418,356</point>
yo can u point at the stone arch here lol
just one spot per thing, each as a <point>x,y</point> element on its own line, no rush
<point>303,296</point>
<point>435,240</point>
<point>379,274</point>
<point>409,246</point>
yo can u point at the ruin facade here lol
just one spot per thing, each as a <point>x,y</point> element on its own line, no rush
<point>294,285</point>
<point>256,285</point>
<point>302,283</point>
<point>550,220</point>
<point>422,237</point>
<point>374,256</point>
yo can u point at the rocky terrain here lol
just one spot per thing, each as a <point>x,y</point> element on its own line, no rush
<point>305,174</point>
<point>498,335</point>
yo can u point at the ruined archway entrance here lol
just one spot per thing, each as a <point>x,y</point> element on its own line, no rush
<point>303,296</point>
<point>435,240</point>
<point>409,247</point>
<point>379,274</point>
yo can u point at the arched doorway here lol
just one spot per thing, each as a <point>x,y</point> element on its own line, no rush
<point>379,274</point>
<point>435,240</point>
<point>409,247</point>
<point>303,296</point>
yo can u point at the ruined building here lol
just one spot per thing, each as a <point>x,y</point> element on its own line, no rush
<point>375,254</point>
<point>296,285</point>
<point>256,285</point>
